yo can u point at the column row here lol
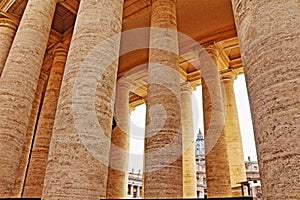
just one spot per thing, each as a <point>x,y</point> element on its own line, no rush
<point>78,158</point>
<point>23,65</point>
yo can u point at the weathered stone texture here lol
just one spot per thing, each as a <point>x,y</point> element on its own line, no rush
<point>233,135</point>
<point>7,33</point>
<point>23,65</point>
<point>269,37</point>
<point>74,169</point>
<point>188,145</point>
<point>163,148</point>
<point>216,157</point>
<point>39,155</point>
<point>28,139</point>
<point>117,183</point>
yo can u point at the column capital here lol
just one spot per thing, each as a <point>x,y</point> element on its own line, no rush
<point>60,50</point>
<point>44,75</point>
<point>131,108</point>
<point>59,55</point>
<point>228,75</point>
<point>8,20</point>
<point>186,87</point>
<point>212,51</point>
<point>204,52</point>
<point>124,83</point>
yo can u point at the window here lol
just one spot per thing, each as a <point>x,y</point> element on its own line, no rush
<point>129,189</point>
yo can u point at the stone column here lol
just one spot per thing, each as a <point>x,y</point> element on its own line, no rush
<point>188,145</point>
<point>23,65</point>
<point>8,29</point>
<point>268,33</point>
<point>39,155</point>
<point>119,151</point>
<point>163,148</point>
<point>233,136</point>
<point>216,158</point>
<point>27,145</point>
<point>80,145</point>
<point>138,192</point>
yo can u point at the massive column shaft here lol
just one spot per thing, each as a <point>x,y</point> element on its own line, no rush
<point>117,183</point>
<point>27,145</point>
<point>163,149</point>
<point>23,65</point>
<point>268,33</point>
<point>7,33</point>
<point>39,155</point>
<point>233,136</point>
<point>216,159</point>
<point>188,145</point>
<point>80,145</point>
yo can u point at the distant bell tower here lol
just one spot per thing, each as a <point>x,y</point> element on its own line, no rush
<point>200,152</point>
<point>200,165</point>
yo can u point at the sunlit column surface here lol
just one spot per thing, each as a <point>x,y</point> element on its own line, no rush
<point>8,29</point>
<point>27,145</point>
<point>80,145</point>
<point>233,135</point>
<point>39,155</point>
<point>163,149</point>
<point>16,97</point>
<point>268,34</point>
<point>117,183</point>
<point>188,145</point>
<point>216,159</point>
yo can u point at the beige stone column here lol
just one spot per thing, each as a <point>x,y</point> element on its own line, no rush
<point>216,158</point>
<point>233,136</point>
<point>80,145</point>
<point>188,144</point>
<point>39,155</point>
<point>117,183</point>
<point>23,65</point>
<point>138,192</point>
<point>27,145</point>
<point>268,33</point>
<point>8,29</point>
<point>163,148</point>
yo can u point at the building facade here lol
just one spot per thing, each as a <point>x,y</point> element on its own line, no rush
<point>251,187</point>
<point>134,190</point>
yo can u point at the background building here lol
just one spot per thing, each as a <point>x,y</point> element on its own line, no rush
<point>134,185</point>
<point>253,184</point>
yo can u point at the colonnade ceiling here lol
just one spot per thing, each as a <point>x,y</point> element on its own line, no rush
<point>206,21</point>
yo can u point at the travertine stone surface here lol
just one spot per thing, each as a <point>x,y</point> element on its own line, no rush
<point>163,148</point>
<point>233,136</point>
<point>23,65</point>
<point>188,145</point>
<point>269,37</point>
<point>39,155</point>
<point>27,145</point>
<point>7,33</point>
<point>117,183</point>
<point>216,158</point>
<point>76,168</point>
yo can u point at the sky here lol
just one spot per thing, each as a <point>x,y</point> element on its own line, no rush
<point>138,116</point>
